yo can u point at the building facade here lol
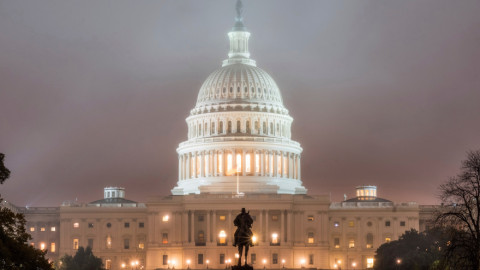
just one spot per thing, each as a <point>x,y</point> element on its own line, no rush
<point>239,153</point>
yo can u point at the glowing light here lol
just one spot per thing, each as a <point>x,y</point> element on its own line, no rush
<point>354,264</point>
<point>237,256</point>
<point>165,218</point>
<point>208,261</point>
<point>188,261</point>
<point>399,261</point>
<point>42,246</point>
<point>264,261</point>
<point>254,239</point>
<point>123,265</point>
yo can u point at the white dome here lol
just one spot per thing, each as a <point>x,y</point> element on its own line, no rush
<point>239,84</point>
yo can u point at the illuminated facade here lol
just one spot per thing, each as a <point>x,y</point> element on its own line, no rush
<point>239,153</point>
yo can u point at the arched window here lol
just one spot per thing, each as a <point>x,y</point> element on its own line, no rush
<point>205,129</point>
<point>238,126</point>
<point>220,128</point>
<point>248,127</point>
<point>264,128</point>
<point>213,128</point>
<point>369,240</point>
<point>257,127</point>
<point>229,128</point>
<point>271,129</point>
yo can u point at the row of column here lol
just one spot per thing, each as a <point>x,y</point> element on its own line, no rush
<point>191,228</point>
<point>238,161</point>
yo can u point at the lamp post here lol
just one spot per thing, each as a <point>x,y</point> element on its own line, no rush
<point>134,264</point>
<point>339,262</point>
<point>173,264</point>
<point>302,263</point>
<point>283,263</point>
<point>168,264</point>
<point>354,265</point>
<point>264,263</point>
<point>399,261</point>
<point>188,264</point>
<point>208,261</point>
<point>123,265</point>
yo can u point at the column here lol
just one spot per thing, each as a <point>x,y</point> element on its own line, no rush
<point>187,167</point>
<point>215,163</point>
<point>185,226</point>
<point>192,227</point>
<point>282,227</point>
<point>207,236</point>
<point>214,227</point>
<point>289,226</point>
<point>262,162</point>
<point>223,162</point>
<point>179,167</point>
<point>275,168</point>
<point>260,230</point>
<point>290,166</point>
<point>266,234</point>
<point>202,164</point>
<point>194,174</point>
<point>230,233</point>
<point>234,159</point>
<point>299,168</point>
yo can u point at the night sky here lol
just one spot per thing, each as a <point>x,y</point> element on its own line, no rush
<point>95,93</point>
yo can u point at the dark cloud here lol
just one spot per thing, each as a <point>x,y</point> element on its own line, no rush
<point>96,93</point>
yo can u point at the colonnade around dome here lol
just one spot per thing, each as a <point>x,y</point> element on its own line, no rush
<point>241,162</point>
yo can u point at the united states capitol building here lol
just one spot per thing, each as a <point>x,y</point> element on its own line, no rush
<point>239,153</point>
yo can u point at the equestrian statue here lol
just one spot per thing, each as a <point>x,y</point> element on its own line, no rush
<point>243,237</point>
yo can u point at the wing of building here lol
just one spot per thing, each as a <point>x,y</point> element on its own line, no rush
<point>238,153</point>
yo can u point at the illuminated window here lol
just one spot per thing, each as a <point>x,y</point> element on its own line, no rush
<point>369,240</point>
<point>52,247</point>
<point>42,246</point>
<point>336,242</point>
<point>239,162</point>
<point>42,229</point>
<point>257,163</point>
<point>274,218</point>
<point>76,225</point>
<point>336,224</point>
<point>201,237</point>
<point>369,262</point>
<point>274,238</point>
<point>311,239</point>
<point>164,238</point>
<point>222,237</point>
<point>165,218</point>
<point>32,229</point>
<point>108,264</point>
<point>141,245</point>
<point>248,163</point>
<point>75,243</point>
<point>221,218</point>
<point>310,218</point>
<point>351,243</point>
<point>52,229</point>
<point>388,239</point>
<point>351,223</point>
<point>109,242</point>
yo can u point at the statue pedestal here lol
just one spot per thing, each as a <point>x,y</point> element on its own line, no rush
<point>243,267</point>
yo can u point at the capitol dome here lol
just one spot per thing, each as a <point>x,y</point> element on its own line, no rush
<point>239,132</point>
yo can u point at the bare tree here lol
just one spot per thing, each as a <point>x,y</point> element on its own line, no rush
<point>460,196</point>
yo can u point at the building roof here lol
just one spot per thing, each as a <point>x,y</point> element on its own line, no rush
<point>113,201</point>
<point>367,199</point>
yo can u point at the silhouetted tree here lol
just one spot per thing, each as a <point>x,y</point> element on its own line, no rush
<point>15,252</point>
<point>460,196</point>
<point>413,250</point>
<point>4,172</point>
<point>82,260</point>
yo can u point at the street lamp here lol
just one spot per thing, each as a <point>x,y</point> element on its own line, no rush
<point>173,264</point>
<point>264,263</point>
<point>208,261</point>
<point>188,264</point>
<point>354,264</point>
<point>339,262</point>
<point>399,261</point>
<point>123,265</point>
<point>283,263</point>
<point>302,262</point>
